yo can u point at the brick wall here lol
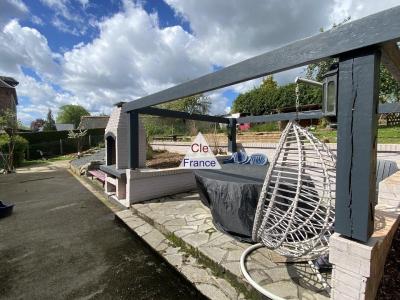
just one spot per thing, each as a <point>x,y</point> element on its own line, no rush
<point>7,100</point>
<point>358,267</point>
<point>385,151</point>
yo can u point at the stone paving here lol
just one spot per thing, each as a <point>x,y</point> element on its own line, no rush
<point>182,220</point>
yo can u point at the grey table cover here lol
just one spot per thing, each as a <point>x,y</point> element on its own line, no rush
<point>232,194</point>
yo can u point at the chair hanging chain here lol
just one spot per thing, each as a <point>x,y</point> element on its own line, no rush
<point>297,91</point>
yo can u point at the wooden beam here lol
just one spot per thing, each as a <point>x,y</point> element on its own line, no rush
<point>356,146</point>
<point>133,140</point>
<point>375,29</point>
<point>312,114</point>
<point>391,59</point>
<point>181,115</point>
<point>387,108</point>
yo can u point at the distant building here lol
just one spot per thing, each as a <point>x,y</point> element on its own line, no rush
<point>8,94</point>
<point>64,126</point>
<point>93,122</point>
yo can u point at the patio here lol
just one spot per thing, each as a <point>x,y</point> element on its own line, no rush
<point>187,224</point>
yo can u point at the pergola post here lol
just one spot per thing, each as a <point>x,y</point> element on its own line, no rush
<point>133,139</point>
<point>232,147</point>
<point>356,145</point>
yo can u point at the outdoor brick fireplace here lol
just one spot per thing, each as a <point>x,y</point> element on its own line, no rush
<point>116,137</point>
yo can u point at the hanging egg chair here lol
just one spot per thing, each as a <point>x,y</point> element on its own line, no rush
<point>295,211</point>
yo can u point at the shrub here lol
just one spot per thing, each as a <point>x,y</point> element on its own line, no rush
<point>20,147</point>
<point>149,152</point>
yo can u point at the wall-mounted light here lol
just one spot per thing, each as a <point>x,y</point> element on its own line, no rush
<point>330,93</point>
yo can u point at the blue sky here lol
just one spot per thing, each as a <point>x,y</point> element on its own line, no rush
<point>96,53</point>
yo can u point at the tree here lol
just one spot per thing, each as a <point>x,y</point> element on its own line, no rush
<point>260,100</point>
<point>71,114</point>
<point>78,136</point>
<point>50,124</point>
<point>269,97</point>
<point>9,125</point>
<point>389,87</point>
<point>37,124</point>
<point>197,104</point>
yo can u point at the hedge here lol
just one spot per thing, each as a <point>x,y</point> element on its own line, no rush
<point>50,136</point>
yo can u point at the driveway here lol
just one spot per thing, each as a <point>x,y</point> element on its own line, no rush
<point>61,242</point>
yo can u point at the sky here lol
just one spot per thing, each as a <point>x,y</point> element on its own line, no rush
<point>96,53</point>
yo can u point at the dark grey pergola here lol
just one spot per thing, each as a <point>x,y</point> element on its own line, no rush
<point>360,46</point>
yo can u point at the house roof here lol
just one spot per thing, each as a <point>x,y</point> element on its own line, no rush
<point>64,126</point>
<point>9,80</point>
<point>93,122</point>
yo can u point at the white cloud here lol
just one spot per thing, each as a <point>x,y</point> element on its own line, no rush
<point>37,20</point>
<point>358,8</point>
<point>236,30</point>
<point>67,17</point>
<point>25,46</point>
<point>132,56</point>
<point>218,103</point>
<point>84,3</point>
<point>64,27</point>
<point>10,9</point>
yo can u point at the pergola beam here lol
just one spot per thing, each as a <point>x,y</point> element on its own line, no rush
<point>312,114</point>
<point>387,108</point>
<point>181,115</point>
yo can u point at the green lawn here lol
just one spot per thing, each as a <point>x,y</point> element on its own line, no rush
<point>386,135</point>
<point>29,163</point>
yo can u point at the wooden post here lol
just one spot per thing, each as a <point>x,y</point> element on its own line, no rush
<point>90,141</point>
<point>357,131</point>
<point>232,147</point>
<point>61,147</point>
<point>133,139</point>
<point>28,152</point>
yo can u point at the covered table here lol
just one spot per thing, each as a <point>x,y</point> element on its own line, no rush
<point>232,194</point>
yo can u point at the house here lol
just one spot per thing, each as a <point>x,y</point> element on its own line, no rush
<point>93,122</point>
<point>8,94</point>
<point>241,127</point>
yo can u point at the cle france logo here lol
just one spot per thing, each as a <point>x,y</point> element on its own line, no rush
<point>200,156</point>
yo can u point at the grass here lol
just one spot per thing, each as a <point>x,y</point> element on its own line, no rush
<point>29,163</point>
<point>386,135</point>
